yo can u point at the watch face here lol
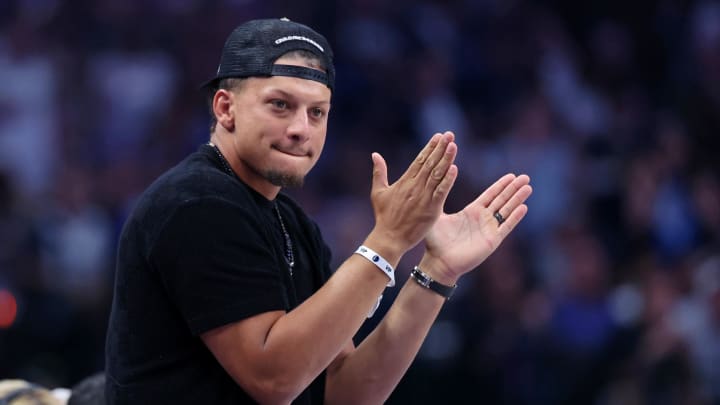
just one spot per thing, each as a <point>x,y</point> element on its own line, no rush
<point>421,278</point>
<point>427,282</point>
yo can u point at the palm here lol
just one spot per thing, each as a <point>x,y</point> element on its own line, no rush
<point>463,240</point>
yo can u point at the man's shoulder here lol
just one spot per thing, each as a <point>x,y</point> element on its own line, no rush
<point>192,182</point>
<point>195,178</point>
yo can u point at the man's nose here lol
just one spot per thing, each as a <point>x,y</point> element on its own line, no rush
<point>299,128</point>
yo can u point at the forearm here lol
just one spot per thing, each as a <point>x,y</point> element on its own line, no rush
<point>303,342</point>
<point>373,370</point>
<point>313,333</point>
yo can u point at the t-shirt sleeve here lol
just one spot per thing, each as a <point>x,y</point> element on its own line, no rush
<point>215,262</point>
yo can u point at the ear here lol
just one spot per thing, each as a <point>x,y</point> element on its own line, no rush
<point>222,108</point>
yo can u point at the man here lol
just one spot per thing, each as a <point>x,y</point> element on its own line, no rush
<point>223,290</point>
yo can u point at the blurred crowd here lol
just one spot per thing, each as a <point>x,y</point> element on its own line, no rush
<point>607,293</point>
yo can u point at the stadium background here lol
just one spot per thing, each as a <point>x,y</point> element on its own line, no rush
<point>608,292</point>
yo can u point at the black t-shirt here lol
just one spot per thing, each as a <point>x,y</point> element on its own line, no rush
<point>202,250</point>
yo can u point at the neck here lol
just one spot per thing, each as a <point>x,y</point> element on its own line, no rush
<point>246,174</point>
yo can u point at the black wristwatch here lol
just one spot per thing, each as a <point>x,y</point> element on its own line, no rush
<point>427,282</point>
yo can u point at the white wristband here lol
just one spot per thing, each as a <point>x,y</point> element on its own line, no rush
<point>378,260</point>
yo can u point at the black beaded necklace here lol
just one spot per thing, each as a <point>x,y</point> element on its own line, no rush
<point>289,256</point>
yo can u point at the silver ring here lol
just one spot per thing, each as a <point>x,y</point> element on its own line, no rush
<point>499,217</point>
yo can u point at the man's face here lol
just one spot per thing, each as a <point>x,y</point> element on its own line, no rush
<point>280,128</point>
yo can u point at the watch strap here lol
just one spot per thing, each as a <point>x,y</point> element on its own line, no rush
<point>426,281</point>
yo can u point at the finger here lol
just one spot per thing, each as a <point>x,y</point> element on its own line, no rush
<point>507,192</point>
<point>512,220</point>
<point>379,175</point>
<point>515,201</point>
<point>493,191</point>
<point>435,157</point>
<point>443,188</point>
<point>441,169</point>
<point>419,161</point>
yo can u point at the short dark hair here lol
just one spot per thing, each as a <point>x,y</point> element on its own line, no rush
<point>235,83</point>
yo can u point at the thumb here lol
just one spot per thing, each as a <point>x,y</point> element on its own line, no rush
<point>379,175</point>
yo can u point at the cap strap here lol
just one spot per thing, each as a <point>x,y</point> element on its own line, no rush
<point>301,72</point>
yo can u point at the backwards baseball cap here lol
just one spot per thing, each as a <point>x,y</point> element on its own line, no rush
<point>253,47</point>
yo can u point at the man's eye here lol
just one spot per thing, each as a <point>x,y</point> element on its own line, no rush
<point>317,112</point>
<point>279,104</point>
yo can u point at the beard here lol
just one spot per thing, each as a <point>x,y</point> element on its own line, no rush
<point>284,179</point>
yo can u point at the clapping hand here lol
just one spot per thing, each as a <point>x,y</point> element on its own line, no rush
<point>459,242</point>
<point>406,209</point>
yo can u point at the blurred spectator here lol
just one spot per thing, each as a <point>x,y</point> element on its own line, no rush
<point>28,120</point>
<point>77,238</point>
<point>20,392</point>
<point>133,88</point>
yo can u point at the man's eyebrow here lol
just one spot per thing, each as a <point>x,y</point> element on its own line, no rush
<point>276,90</point>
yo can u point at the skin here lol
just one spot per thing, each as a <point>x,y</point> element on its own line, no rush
<point>273,129</point>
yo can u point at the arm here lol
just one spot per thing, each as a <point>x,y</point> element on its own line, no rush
<point>276,355</point>
<point>456,244</point>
